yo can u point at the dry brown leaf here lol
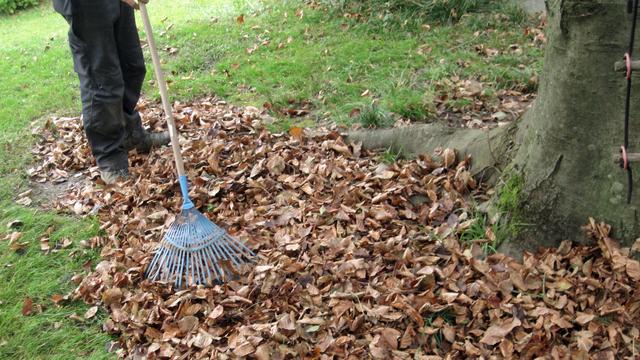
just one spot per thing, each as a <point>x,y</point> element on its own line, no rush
<point>112,296</point>
<point>27,306</point>
<point>390,337</point>
<point>583,318</point>
<point>91,312</point>
<point>296,133</point>
<point>216,312</point>
<point>449,157</point>
<point>57,298</point>
<point>584,340</point>
<point>244,349</point>
<point>633,269</point>
<point>495,333</point>
<point>188,323</point>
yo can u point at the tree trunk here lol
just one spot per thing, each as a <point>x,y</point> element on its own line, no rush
<point>565,144</point>
<point>567,140</point>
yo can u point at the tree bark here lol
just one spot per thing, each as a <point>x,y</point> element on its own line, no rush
<point>576,124</point>
<point>563,146</point>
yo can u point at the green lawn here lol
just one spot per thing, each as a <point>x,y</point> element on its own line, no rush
<point>282,53</point>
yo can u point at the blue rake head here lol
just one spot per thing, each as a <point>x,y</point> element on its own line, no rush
<point>196,251</point>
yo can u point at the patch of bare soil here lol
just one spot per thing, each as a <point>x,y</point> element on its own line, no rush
<point>45,194</point>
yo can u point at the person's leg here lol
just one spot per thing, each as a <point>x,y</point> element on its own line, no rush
<point>93,45</point>
<point>133,71</point>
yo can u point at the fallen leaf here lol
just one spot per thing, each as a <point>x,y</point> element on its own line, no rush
<point>244,349</point>
<point>584,318</point>
<point>91,312</point>
<point>57,298</point>
<point>449,156</point>
<point>216,312</point>
<point>584,340</point>
<point>495,333</point>
<point>112,296</point>
<point>27,306</point>
<point>296,133</point>
<point>188,323</point>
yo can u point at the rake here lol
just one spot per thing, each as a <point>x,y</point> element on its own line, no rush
<point>193,250</point>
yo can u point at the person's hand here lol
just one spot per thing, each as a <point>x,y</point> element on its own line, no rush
<point>135,4</point>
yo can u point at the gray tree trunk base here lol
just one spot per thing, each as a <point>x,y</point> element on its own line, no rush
<point>563,146</point>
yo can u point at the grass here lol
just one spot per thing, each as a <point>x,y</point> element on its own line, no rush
<point>286,54</point>
<point>50,334</point>
<point>491,233</point>
<point>37,79</point>
<point>374,117</point>
<point>479,231</point>
<point>510,194</point>
<point>390,156</point>
<point>339,64</point>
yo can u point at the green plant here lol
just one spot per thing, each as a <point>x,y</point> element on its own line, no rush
<point>390,156</point>
<point>513,11</point>
<point>510,195</point>
<point>11,6</point>
<point>411,105</point>
<point>508,203</point>
<point>374,117</point>
<point>479,230</point>
<point>446,315</point>
<point>439,10</point>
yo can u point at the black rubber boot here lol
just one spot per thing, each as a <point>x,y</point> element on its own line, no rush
<point>114,176</point>
<point>144,142</point>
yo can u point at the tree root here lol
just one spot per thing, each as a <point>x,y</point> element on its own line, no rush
<point>489,149</point>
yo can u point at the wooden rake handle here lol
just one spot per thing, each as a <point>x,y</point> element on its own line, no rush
<point>162,84</point>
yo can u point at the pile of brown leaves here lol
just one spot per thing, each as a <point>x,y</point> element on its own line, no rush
<point>356,259</point>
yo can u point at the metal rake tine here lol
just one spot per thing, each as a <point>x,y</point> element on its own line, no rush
<point>153,262</point>
<point>189,260</point>
<point>163,262</point>
<point>174,255</point>
<point>219,256</point>
<point>167,262</point>
<point>188,279</point>
<point>156,257</point>
<point>191,264</point>
<point>204,263</point>
<point>198,267</point>
<point>213,259</point>
<point>225,253</point>
<point>178,271</point>
<point>239,246</point>
<point>192,267</point>
<point>169,265</point>
<point>235,245</point>
<point>231,253</point>
<point>192,259</point>
<point>204,269</point>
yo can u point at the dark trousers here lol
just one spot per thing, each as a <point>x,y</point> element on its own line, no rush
<point>108,60</point>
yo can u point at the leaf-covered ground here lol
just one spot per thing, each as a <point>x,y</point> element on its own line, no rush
<point>357,259</point>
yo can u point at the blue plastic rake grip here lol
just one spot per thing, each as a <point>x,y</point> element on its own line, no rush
<point>184,187</point>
